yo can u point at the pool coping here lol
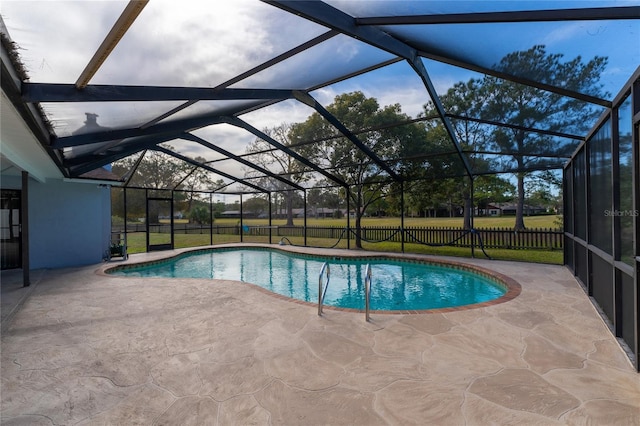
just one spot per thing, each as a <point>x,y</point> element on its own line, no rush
<point>513,288</point>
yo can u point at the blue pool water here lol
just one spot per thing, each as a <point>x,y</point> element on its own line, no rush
<point>396,284</point>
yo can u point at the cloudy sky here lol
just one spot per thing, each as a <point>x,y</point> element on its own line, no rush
<point>205,43</point>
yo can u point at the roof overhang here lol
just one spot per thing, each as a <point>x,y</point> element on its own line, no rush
<point>20,150</point>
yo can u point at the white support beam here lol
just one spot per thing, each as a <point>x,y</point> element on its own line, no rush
<point>118,30</point>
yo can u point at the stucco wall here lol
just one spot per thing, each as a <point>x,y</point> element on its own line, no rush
<point>69,223</point>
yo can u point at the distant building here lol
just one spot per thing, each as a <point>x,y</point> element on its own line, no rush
<point>489,210</point>
<point>317,212</point>
<point>236,214</point>
<point>527,209</point>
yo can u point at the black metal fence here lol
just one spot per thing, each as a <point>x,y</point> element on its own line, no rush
<point>497,238</point>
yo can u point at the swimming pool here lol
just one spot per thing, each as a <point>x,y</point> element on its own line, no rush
<point>397,285</point>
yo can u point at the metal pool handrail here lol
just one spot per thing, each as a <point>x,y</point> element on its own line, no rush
<point>367,292</point>
<point>324,271</point>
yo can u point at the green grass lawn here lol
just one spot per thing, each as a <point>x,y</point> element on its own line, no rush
<point>136,242</point>
<point>546,221</point>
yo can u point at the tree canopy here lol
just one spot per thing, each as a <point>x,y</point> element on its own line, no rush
<point>380,152</point>
<point>159,171</point>
<point>278,162</point>
<point>367,180</point>
<point>529,107</point>
<point>517,146</point>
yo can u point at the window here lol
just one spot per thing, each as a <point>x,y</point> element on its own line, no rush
<point>579,193</point>
<point>601,209</point>
<point>625,210</point>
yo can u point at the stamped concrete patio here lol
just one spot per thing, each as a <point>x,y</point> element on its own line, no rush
<point>85,348</point>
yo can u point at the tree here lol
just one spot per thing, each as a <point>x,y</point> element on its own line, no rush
<point>156,170</point>
<point>279,162</point>
<point>460,100</point>
<point>528,107</point>
<point>218,208</point>
<point>160,171</point>
<point>197,179</point>
<point>425,197</point>
<point>200,215</point>
<point>492,189</point>
<point>543,190</point>
<point>326,198</point>
<point>366,179</point>
<point>255,206</point>
<point>525,107</point>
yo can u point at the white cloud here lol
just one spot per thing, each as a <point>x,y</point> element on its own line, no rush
<point>57,39</point>
<point>204,43</point>
<point>188,43</point>
<point>289,111</point>
<point>564,33</point>
<point>230,138</point>
<point>410,99</point>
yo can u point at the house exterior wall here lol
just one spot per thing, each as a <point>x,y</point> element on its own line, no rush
<point>69,223</point>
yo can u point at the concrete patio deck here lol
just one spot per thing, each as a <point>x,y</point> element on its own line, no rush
<point>90,349</point>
